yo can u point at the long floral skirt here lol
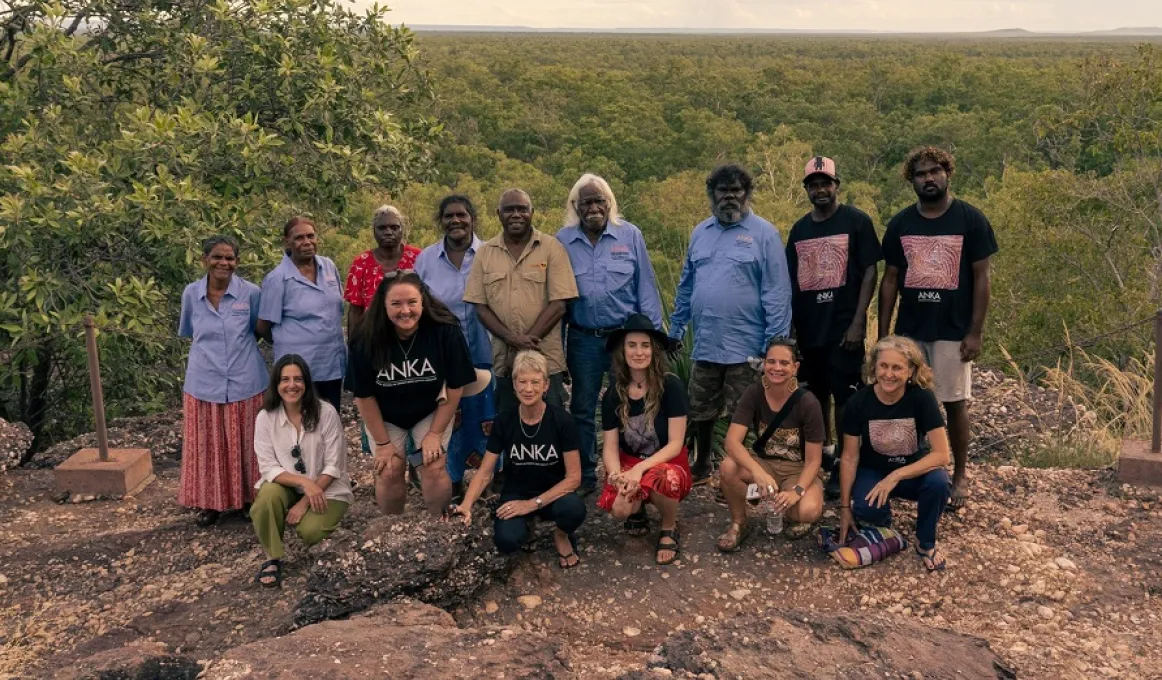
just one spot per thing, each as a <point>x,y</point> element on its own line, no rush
<point>219,468</point>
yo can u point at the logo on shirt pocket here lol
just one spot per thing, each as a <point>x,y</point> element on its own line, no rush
<point>240,308</point>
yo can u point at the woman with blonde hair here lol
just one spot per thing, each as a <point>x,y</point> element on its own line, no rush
<point>542,466</point>
<point>643,414</point>
<point>895,445</point>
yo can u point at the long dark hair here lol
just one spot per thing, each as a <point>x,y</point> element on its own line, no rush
<point>655,379</point>
<point>376,331</point>
<point>311,405</point>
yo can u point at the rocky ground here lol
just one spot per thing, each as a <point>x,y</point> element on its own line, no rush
<point>1052,573</point>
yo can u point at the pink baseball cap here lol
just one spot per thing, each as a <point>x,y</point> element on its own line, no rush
<point>820,165</point>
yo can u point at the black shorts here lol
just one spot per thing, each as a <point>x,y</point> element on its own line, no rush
<point>831,372</point>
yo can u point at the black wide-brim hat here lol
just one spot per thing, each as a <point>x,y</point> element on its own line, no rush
<point>639,323</point>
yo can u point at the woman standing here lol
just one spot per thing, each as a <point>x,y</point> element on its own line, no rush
<point>644,416</point>
<point>542,466</point>
<point>302,309</point>
<point>786,460</point>
<point>444,268</point>
<point>409,365</point>
<point>367,270</point>
<point>895,446</point>
<point>222,394</point>
<point>302,455</point>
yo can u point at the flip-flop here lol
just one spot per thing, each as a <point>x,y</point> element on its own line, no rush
<point>563,560</point>
<point>956,501</point>
<point>265,572</point>
<point>929,558</point>
<point>674,536</point>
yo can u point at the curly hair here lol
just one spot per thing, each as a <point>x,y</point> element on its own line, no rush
<point>921,373</point>
<point>927,153</point>
<point>728,174</point>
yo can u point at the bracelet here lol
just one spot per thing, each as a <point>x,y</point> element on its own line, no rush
<point>845,507</point>
<point>383,443</point>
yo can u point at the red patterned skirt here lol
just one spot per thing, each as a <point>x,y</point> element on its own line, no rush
<point>219,468</point>
<point>672,480</point>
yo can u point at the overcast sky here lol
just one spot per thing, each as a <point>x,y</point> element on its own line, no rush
<point>880,15</point>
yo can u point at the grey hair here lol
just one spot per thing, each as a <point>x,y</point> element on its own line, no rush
<point>385,210</point>
<point>571,216</point>
<point>530,361</point>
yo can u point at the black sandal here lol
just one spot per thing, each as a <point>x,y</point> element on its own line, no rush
<point>563,560</point>
<point>673,536</point>
<point>207,518</point>
<point>264,571</point>
<point>638,524</point>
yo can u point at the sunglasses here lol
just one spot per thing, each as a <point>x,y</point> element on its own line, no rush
<point>297,454</point>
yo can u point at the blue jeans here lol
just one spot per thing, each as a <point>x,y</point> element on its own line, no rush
<point>567,512</point>
<point>930,491</point>
<point>588,363</point>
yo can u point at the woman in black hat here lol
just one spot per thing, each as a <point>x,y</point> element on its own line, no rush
<point>644,417</point>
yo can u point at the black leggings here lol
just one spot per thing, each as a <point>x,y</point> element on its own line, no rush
<point>567,512</point>
<point>330,390</point>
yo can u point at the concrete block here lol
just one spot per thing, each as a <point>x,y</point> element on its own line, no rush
<point>84,473</point>
<point>1138,466</point>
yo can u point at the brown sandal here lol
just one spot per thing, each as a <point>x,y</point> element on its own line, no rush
<point>735,536</point>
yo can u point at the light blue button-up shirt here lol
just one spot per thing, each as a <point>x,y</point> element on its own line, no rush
<point>614,277</point>
<point>735,288</point>
<point>225,365</point>
<point>447,284</point>
<point>307,318</point>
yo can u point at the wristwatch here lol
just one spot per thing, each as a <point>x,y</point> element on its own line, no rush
<point>537,500</point>
<point>800,490</point>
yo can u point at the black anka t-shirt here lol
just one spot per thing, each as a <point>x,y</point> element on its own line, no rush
<point>895,435</point>
<point>407,388</point>
<point>533,455</point>
<point>935,258</point>
<point>640,438</point>
<point>826,261</point>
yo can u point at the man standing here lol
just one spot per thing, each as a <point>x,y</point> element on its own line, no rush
<point>520,282</point>
<point>615,280</point>
<point>735,288</point>
<point>831,253</point>
<point>937,258</point>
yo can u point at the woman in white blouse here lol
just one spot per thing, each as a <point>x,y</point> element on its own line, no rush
<point>302,457</point>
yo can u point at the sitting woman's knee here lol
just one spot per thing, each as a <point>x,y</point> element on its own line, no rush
<point>507,542</point>
<point>728,469</point>
<point>622,508</point>
<point>312,534</point>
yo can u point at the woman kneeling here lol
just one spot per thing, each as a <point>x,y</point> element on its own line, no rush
<point>542,466</point>
<point>787,458</point>
<point>302,458</point>
<point>895,446</point>
<point>644,416</point>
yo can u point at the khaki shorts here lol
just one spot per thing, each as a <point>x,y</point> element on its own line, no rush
<point>399,437</point>
<point>786,470</point>
<point>952,377</point>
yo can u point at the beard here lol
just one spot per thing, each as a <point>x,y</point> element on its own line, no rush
<point>729,212</point>
<point>931,193</point>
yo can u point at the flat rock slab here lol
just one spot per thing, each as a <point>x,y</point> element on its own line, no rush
<point>403,639</point>
<point>805,644</point>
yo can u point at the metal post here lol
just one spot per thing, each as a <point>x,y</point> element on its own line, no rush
<point>1156,434</point>
<point>99,396</point>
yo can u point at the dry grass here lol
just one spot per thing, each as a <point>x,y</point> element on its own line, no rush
<point>1113,402</point>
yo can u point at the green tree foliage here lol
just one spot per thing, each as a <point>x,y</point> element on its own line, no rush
<point>132,130</point>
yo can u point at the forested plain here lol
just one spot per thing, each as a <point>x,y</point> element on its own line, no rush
<point>120,159</point>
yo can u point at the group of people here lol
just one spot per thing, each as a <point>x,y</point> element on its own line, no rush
<point>459,355</point>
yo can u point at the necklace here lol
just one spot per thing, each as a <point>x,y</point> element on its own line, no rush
<point>540,421</point>
<point>411,344</point>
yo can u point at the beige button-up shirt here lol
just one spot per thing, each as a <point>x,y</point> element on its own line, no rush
<point>517,290</point>
<point>324,451</point>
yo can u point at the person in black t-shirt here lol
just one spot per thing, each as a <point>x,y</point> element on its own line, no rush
<point>540,446</point>
<point>937,255</point>
<point>408,369</point>
<point>644,414</point>
<point>831,254</point>
<point>895,446</point>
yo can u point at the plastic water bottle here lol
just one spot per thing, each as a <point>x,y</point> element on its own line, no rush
<point>774,519</point>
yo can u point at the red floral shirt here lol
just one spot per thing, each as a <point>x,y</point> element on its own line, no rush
<point>365,275</point>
